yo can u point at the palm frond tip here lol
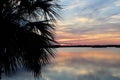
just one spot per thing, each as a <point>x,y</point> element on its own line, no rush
<point>26,34</point>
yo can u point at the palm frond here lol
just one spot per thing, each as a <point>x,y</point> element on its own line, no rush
<point>45,29</point>
<point>36,53</point>
<point>27,34</point>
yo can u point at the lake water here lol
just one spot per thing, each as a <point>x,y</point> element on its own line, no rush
<point>80,64</point>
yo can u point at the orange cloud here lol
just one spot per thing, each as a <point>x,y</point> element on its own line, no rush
<point>108,38</point>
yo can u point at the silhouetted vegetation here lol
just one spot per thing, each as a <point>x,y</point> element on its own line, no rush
<point>93,46</point>
<point>26,27</point>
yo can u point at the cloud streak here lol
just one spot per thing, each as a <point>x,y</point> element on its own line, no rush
<point>90,18</point>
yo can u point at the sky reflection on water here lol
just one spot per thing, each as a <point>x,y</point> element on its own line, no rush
<point>85,64</point>
<point>80,64</point>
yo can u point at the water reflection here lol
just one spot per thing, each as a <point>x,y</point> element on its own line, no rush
<point>85,64</point>
<point>80,64</point>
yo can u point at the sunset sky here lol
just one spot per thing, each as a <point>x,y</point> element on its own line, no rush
<point>89,22</point>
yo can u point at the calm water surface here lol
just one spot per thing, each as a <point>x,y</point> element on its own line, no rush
<point>80,64</point>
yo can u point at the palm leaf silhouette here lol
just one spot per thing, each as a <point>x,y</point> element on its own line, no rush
<point>27,32</point>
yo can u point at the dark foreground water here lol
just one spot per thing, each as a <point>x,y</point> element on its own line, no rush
<point>79,64</point>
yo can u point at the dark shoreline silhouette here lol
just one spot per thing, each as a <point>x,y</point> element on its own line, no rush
<point>92,46</point>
